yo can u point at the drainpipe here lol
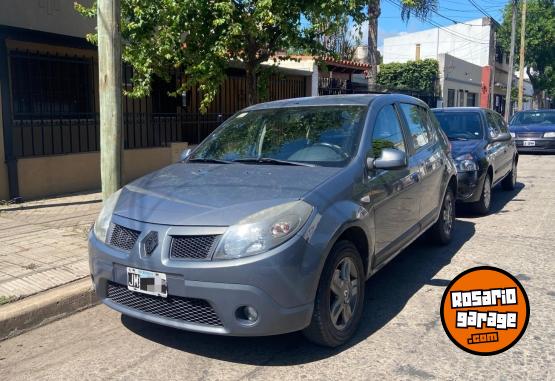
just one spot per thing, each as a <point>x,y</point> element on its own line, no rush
<point>7,121</point>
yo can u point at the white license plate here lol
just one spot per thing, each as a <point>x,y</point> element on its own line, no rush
<point>529,143</point>
<point>147,282</point>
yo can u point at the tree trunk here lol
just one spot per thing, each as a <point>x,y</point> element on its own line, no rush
<point>374,11</point>
<point>252,85</point>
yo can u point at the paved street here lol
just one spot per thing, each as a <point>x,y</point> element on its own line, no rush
<point>401,336</point>
<point>43,243</point>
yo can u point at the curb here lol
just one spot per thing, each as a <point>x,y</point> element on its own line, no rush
<point>43,308</point>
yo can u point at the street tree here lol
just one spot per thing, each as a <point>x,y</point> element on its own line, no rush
<point>418,8</point>
<point>202,38</point>
<point>539,57</point>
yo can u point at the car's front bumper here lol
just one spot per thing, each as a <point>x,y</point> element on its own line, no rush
<point>540,144</point>
<point>469,188</point>
<point>279,284</point>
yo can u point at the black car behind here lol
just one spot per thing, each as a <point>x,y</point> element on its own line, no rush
<point>483,150</point>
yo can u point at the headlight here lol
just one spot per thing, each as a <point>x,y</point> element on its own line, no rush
<point>549,134</point>
<point>513,135</point>
<point>103,221</point>
<point>466,163</point>
<point>263,230</point>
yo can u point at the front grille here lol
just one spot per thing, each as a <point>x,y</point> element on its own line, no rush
<point>173,307</point>
<point>193,246</point>
<point>529,135</point>
<point>123,238</point>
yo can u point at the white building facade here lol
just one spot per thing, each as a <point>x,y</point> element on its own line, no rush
<point>470,63</point>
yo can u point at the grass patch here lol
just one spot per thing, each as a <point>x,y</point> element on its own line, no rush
<point>6,299</point>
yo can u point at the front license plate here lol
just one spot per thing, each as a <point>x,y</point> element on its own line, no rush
<point>529,143</point>
<point>147,282</point>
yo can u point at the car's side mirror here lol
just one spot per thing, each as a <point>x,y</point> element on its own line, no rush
<point>390,158</point>
<point>185,154</point>
<point>502,137</point>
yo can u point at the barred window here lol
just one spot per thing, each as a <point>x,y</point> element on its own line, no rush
<point>51,84</point>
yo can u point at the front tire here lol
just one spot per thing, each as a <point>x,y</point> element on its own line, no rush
<point>442,230</point>
<point>339,299</point>
<point>483,205</point>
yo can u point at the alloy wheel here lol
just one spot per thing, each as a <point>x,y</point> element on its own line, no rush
<point>448,215</point>
<point>344,290</point>
<point>487,192</point>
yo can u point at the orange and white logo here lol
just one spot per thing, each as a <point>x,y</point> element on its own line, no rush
<point>485,310</point>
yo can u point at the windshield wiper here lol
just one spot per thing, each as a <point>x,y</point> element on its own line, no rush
<point>269,160</point>
<point>458,138</point>
<point>207,160</point>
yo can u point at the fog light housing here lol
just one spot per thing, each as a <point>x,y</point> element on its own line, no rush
<point>247,314</point>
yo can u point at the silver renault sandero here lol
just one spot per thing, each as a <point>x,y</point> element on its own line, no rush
<point>276,220</point>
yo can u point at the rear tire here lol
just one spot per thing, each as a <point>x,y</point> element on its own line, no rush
<point>339,299</point>
<point>442,230</point>
<point>509,182</point>
<point>482,207</point>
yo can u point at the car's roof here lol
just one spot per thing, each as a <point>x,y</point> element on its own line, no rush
<point>534,111</point>
<point>459,109</point>
<point>327,100</point>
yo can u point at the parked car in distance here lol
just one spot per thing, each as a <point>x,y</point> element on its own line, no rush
<point>276,220</point>
<point>534,130</point>
<point>483,150</point>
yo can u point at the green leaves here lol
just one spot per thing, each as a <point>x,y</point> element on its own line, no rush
<point>540,42</point>
<point>412,75</point>
<point>202,38</point>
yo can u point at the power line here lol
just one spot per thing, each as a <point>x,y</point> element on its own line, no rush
<point>433,23</point>
<point>479,8</point>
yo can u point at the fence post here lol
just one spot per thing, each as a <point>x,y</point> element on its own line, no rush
<point>7,121</point>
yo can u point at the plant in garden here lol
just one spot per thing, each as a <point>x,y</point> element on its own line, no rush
<point>413,75</point>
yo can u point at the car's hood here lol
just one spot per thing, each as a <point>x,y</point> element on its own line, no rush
<point>532,128</point>
<point>215,194</point>
<point>462,147</point>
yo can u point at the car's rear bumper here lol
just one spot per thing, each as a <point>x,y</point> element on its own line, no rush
<point>540,144</point>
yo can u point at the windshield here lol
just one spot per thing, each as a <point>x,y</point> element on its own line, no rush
<point>325,136</point>
<point>460,125</point>
<point>536,117</point>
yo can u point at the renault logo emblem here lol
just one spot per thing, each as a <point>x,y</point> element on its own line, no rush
<point>150,242</point>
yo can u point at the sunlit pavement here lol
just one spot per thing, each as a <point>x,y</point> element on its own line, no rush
<point>401,336</point>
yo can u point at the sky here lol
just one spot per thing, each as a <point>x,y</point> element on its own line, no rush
<point>391,24</point>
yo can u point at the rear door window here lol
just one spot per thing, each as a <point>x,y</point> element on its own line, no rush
<point>417,122</point>
<point>501,123</point>
<point>493,127</point>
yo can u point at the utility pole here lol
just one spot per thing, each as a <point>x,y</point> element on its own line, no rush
<point>109,88</point>
<point>521,59</point>
<point>511,63</point>
<point>492,95</point>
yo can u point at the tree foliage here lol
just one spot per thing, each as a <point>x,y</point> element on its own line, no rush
<point>412,75</point>
<point>202,38</point>
<point>344,41</point>
<point>540,42</point>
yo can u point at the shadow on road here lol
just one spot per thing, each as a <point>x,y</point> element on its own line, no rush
<point>386,295</point>
<point>499,198</point>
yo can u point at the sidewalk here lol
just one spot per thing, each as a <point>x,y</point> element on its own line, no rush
<point>43,243</point>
